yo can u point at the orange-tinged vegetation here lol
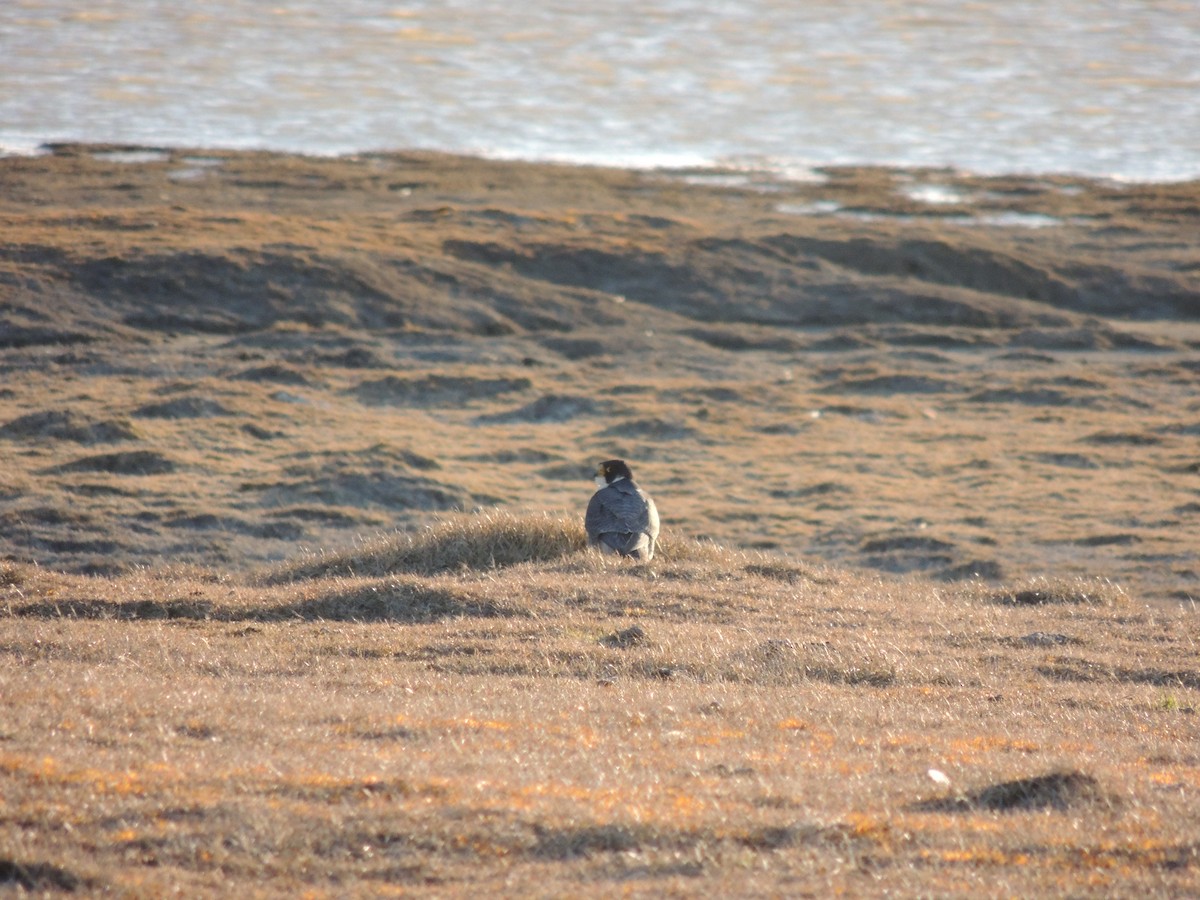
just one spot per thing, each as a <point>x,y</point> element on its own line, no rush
<point>531,752</point>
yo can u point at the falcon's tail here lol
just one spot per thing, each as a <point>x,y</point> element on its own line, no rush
<point>636,545</point>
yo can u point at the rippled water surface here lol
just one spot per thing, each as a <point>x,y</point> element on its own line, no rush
<point>1100,87</point>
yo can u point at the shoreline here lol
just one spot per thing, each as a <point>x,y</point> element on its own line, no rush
<point>755,168</point>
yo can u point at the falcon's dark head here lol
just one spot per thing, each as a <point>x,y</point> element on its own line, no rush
<point>612,470</point>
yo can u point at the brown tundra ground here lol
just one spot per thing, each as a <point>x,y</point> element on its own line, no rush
<point>294,597</point>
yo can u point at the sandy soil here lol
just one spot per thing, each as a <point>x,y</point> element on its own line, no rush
<point>222,358</point>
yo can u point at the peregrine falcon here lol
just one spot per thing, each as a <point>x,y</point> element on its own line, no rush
<point>621,517</point>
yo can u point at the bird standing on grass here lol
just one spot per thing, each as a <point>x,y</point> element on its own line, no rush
<point>621,517</point>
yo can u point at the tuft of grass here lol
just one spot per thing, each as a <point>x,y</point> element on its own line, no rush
<point>489,540</point>
<point>497,539</point>
<point>12,574</point>
<point>1168,703</point>
<point>37,877</point>
<point>1060,790</point>
<point>1070,592</point>
<point>676,549</point>
<point>784,661</point>
<point>778,570</point>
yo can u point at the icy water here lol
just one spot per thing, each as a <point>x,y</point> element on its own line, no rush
<point>1095,87</point>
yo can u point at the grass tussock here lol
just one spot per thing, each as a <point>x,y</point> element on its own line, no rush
<point>1059,790</point>
<point>786,661</point>
<point>13,574</point>
<point>37,877</point>
<point>1067,592</point>
<point>489,540</point>
<point>498,539</point>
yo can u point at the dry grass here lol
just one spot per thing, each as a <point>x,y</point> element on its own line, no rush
<point>487,706</point>
<point>489,540</point>
<point>293,352</point>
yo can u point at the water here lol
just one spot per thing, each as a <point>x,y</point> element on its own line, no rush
<point>1094,87</point>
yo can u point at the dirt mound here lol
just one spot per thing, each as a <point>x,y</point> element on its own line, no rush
<point>131,462</point>
<point>36,877</point>
<point>549,408</point>
<point>1083,284</point>
<point>435,390</point>
<point>359,487</point>
<point>772,282</point>
<point>191,407</point>
<point>1060,790</point>
<point>66,425</point>
<point>488,541</point>
<point>234,291</point>
<point>282,374</point>
<point>652,429</point>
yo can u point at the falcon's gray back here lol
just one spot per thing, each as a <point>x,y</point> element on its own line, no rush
<point>622,517</point>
